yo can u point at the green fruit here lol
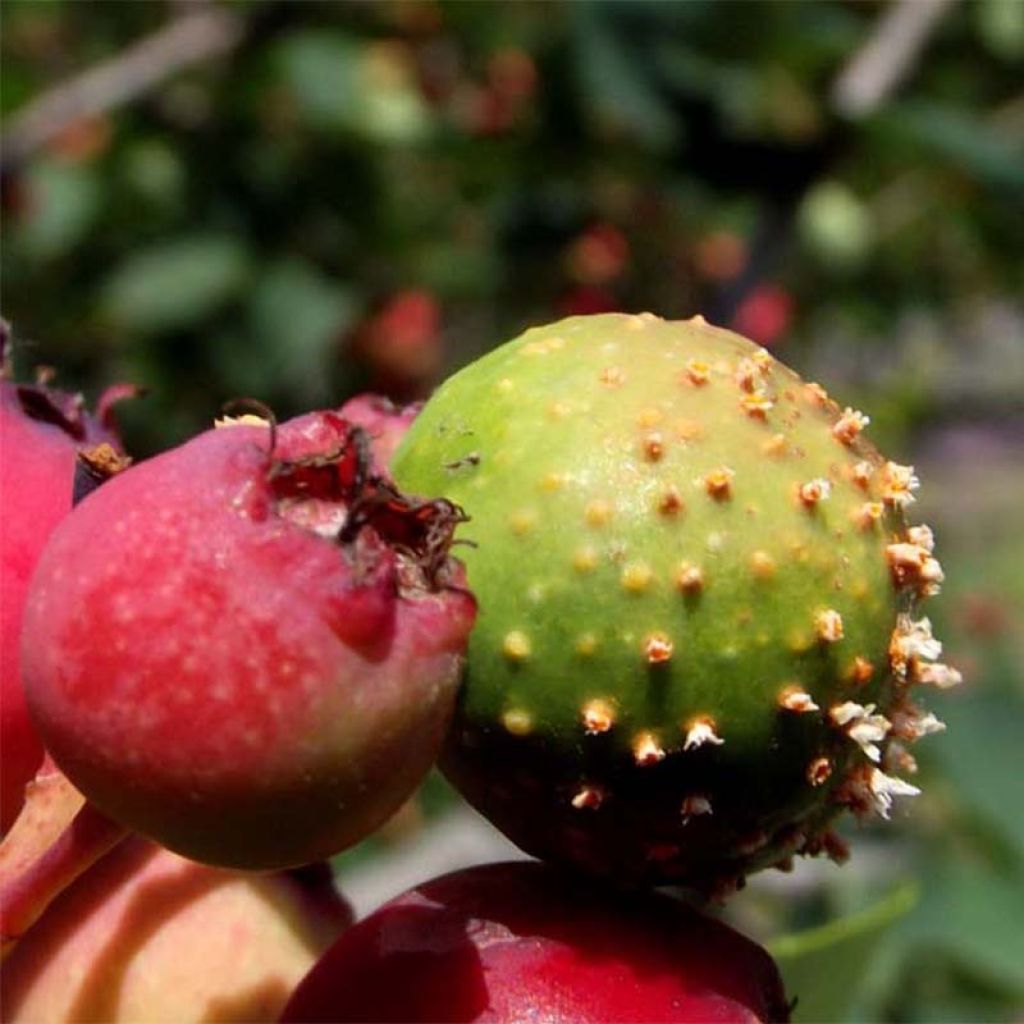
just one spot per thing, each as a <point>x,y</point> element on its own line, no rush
<point>696,590</point>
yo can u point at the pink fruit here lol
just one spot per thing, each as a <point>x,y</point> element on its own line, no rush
<point>384,422</point>
<point>247,648</point>
<point>145,935</point>
<point>41,432</point>
<point>518,942</point>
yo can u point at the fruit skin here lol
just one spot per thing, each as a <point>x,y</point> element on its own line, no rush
<point>685,559</point>
<point>520,941</point>
<point>146,935</point>
<point>42,431</point>
<point>384,422</point>
<point>247,648</point>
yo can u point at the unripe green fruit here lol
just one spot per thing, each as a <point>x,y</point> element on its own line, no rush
<point>691,569</point>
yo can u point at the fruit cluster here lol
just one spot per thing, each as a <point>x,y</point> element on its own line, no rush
<point>683,641</point>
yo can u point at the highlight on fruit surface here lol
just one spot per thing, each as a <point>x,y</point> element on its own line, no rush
<point>521,941</point>
<point>42,430</point>
<point>247,648</point>
<point>700,634</point>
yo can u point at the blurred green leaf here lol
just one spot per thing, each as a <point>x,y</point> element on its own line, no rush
<point>975,915</point>
<point>981,753</point>
<point>616,83</point>
<point>297,317</point>
<point>175,284</point>
<point>963,139</point>
<point>346,84</point>
<point>64,201</point>
<point>823,967</point>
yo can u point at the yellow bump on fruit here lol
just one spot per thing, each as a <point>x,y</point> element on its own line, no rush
<point>747,374</point>
<point>860,474</point>
<point>555,343</point>
<point>612,376</point>
<point>914,566</point>
<point>816,394</point>
<point>694,806</point>
<point>860,671</point>
<point>654,446</point>
<point>640,321</point>
<point>793,698</point>
<point>552,482</point>
<point>718,483</point>
<point>597,512</point>
<point>849,426</point>
<point>799,640</point>
<point>559,410</point>
<point>818,771</point>
<point>775,445</point>
<point>522,522</point>
<point>697,373</point>
<point>506,385</point>
<point>517,721</point>
<point>588,798</point>
<point>598,716</point>
<point>586,644</point>
<point>516,645</point>
<point>699,731</point>
<point>866,516</point>
<point>636,577</point>
<point>584,559</point>
<point>814,491</point>
<point>828,624</point>
<point>649,417</point>
<point>922,536</point>
<point>690,578</point>
<point>687,429</point>
<point>762,565</point>
<point>646,749</point>
<point>763,360</point>
<point>757,404</point>
<point>670,501</point>
<point>658,648</point>
<point>898,484</point>
<point>535,348</point>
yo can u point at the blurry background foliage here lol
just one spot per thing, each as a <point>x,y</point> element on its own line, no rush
<point>296,201</point>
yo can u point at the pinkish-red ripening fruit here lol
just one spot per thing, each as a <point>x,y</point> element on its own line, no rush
<point>384,422</point>
<point>41,432</point>
<point>248,647</point>
<point>522,942</point>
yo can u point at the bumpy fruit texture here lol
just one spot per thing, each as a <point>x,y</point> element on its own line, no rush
<point>518,942</point>
<point>145,935</point>
<point>248,647</point>
<point>41,433</point>
<point>696,587</point>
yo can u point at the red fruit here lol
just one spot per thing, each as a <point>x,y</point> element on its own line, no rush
<point>384,422</point>
<point>247,648</point>
<point>41,432</point>
<point>517,942</point>
<point>146,936</point>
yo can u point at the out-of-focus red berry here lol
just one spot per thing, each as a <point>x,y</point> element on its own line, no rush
<point>401,344</point>
<point>720,255</point>
<point>765,314</point>
<point>599,255</point>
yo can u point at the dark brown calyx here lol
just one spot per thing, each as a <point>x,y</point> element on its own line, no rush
<point>338,495</point>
